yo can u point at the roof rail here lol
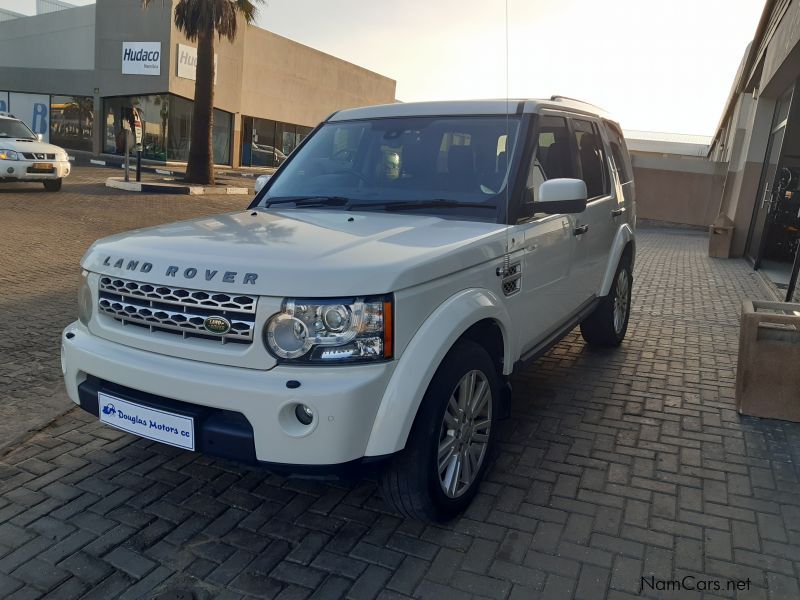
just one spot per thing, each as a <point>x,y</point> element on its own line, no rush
<point>6,114</point>
<point>557,98</point>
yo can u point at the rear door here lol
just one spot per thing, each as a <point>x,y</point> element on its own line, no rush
<point>596,226</point>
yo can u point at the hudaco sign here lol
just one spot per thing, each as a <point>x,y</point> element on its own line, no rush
<point>187,63</point>
<point>141,58</point>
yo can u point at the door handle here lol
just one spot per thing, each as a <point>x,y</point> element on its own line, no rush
<point>767,198</point>
<point>617,211</point>
<point>580,230</point>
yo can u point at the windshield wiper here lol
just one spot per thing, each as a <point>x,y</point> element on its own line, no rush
<point>310,201</point>
<point>412,205</point>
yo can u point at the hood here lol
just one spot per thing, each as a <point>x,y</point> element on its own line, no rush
<point>298,252</point>
<point>23,145</point>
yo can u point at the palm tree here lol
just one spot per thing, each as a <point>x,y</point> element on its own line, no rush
<point>200,21</point>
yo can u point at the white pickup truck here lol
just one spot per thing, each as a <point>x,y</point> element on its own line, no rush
<point>370,305</point>
<point>25,157</point>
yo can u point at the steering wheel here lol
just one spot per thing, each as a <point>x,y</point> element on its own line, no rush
<point>342,152</point>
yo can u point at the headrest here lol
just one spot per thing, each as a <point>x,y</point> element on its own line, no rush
<point>460,160</point>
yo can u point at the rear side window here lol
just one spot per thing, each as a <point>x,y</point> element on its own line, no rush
<point>592,157</point>
<point>619,152</point>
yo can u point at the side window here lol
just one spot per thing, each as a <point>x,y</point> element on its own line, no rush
<point>552,157</point>
<point>553,154</point>
<point>592,157</point>
<point>619,152</point>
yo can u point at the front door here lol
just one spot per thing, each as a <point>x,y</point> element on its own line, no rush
<point>542,250</point>
<point>543,245</point>
<point>769,187</point>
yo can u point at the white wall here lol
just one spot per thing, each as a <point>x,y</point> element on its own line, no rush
<point>60,40</point>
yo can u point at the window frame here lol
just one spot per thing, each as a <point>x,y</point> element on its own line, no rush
<point>612,129</point>
<point>609,191</point>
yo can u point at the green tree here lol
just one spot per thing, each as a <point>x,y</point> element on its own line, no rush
<point>201,21</point>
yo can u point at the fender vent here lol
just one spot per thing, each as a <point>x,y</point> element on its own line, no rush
<point>511,279</point>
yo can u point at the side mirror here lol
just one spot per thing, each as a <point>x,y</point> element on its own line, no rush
<point>565,196</point>
<point>40,136</point>
<point>261,181</point>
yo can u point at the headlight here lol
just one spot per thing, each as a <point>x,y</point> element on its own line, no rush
<point>331,331</point>
<point>8,155</point>
<point>63,156</point>
<point>85,302</point>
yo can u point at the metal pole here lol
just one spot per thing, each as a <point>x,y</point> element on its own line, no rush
<point>127,158</point>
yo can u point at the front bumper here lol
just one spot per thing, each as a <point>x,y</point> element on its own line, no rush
<point>19,170</point>
<point>245,403</point>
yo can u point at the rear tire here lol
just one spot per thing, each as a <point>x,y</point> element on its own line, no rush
<point>439,472</point>
<point>608,323</point>
<point>52,185</point>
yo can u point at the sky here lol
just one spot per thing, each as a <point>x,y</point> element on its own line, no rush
<point>656,65</point>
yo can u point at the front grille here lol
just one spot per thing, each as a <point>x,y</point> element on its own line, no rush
<point>178,311</point>
<point>39,156</point>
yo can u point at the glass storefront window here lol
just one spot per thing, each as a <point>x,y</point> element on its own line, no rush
<point>72,122</point>
<point>221,137</point>
<point>166,125</point>
<point>267,143</point>
<point>154,113</point>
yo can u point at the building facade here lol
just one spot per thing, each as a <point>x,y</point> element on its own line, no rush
<point>758,142</point>
<point>70,74</point>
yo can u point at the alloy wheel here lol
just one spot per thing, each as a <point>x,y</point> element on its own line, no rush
<point>464,434</point>
<point>621,300</point>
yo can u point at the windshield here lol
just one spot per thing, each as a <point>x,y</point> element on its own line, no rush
<point>418,159</point>
<point>11,128</point>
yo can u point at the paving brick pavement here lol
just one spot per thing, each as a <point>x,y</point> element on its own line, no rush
<point>616,465</point>
<point>42,238</point>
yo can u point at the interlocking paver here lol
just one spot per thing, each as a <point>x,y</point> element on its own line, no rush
<point>616,463</point>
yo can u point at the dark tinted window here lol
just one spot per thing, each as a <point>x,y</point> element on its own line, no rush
<point>619,152</point>
<point>592,157</point>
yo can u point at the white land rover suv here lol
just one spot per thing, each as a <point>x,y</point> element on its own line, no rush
<point>24,157</point>
<point>372,302</point>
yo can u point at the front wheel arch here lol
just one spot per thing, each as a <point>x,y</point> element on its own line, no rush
<point>422,356</point>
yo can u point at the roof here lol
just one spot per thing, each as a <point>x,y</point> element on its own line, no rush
<point>6,115</point>
<point>659,136</point>
<point>467,107</point>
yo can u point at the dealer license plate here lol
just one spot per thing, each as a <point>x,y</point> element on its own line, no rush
<point>43,166</point>
<point>146,422</point>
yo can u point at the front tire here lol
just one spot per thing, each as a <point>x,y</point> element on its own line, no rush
<point>438,473</point>
<point>608,323</point>
<point>52,185</point>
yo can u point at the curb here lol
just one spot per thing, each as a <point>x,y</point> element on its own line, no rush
<point>171,188</point>
<point>165,170</point>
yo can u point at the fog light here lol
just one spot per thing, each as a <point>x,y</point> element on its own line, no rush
<point>10,169</point>
<point>304,414</point>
